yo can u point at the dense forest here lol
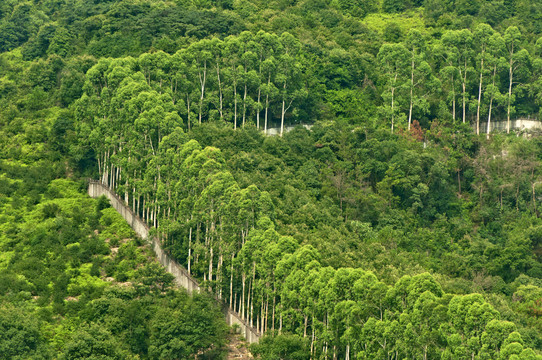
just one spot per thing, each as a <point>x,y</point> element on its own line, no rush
<point>397,227</point>
<point>74,284</point>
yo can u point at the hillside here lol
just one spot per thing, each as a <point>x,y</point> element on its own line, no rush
<point>394,228</point>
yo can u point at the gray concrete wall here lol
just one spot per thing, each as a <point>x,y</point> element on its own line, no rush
<point>182,278</point>
<point>276,130</point>
<point>518,125</point>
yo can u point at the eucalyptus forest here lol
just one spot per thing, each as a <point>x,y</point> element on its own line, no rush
<point>383,219</point>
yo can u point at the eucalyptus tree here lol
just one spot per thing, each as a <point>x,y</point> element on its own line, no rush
<point>249,77</point>
<point>349,312</point>
<point>482,35</point>
<point>147,64</point>
<point>186,188</point>
<point>494,338</point>
<point>518,59</point>
<point>422,331</point>
<point>468,316</point>
<point>216,47</point>
<point>200,56</point>
<point>233,53</point>
<point>96,76</point>
<point>496,62</point>
<point>171,170</point>
<point>185,82</point>
<point>449,72</point>
<point>393,60</point>
<point>459,47</point>
<point>156,67</point>
<point>288,74</point>
<point>266,46</point>
<point>268,88</point>
<point>421,78</point>
<point>210,208</point>
<point>377,339</point>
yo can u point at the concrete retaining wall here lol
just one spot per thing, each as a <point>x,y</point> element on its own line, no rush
<point>516,125</point>
<point>182,278</point>
<point>276,130</point>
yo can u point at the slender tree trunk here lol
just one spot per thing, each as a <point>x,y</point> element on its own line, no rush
<point>267,102</point>
<point>211,263</point>
<point>117,177</point>
<point>252,283</point>
<point>411,94</point>
<point>479,95</point>
<point>202,83</point>
<point>491,103</point>
<point>138,204</point>
<point>260,328</point>
<point>464,85</point>
<point>510,82</point>
<point>148,210</point>
<point>453,99</point>
<point>282,119</point>
<point>533,198</point>
<point>266,313</point>
<point>313,336</point>
<point>231,280</point>
<point>283,111</point>
<point>273,313</point>
<point>248,308</point>
<point>189,249</point>
<point>243,281</point>
<point>392,108</point>
<point>258,108</point>
<point>218,274</point>
<point>99,168</point>
<point>126,196</point>
<point>244,105</point>
<point>326,321</point>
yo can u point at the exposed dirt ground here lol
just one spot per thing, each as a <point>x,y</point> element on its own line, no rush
<point>237,348</point>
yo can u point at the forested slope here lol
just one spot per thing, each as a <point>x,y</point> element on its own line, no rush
<point>75,284</point>
<point>390,230</point>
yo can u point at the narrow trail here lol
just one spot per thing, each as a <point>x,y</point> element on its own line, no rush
<point>237,349</point>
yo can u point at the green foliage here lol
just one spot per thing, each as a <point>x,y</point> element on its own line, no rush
<point>348,240</point>
<point>20,335</point>
<point>195,327</point>
<point>291,347</point>
<point>55,298</point>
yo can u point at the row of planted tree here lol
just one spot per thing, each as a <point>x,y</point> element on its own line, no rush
<point>226,237</point>
<point>239,79</point>
<point>479,71</point>
<point>468,75</point>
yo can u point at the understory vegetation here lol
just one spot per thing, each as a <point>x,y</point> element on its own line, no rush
<point>396,227</point>
<point>75,282</point>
